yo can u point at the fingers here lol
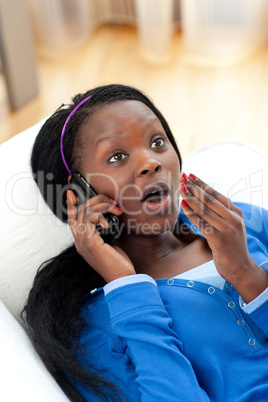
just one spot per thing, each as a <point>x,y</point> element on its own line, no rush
<point>101,207</point>
<point>208,195</point>
<point>90,213</point>
<point>205,206</point>
<point>205,220</point>
<point>194,182</point>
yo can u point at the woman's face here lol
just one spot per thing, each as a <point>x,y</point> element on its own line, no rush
<point>128,157</point>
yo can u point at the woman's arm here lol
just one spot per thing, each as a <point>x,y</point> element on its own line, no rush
<point>163,373</point>
<point>139,351</point>
<point>109,261</point>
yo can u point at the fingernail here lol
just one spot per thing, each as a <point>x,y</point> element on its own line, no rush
<point>66,193</point>
<point>193,176</point>
<point>113,200</point>
<point>186,178</point>
<point>119,209</point>
<point>184,204</point>
<point>184,188</point>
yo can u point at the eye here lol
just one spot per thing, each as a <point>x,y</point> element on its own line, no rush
<point>158,142</point>
<point>117,157</point>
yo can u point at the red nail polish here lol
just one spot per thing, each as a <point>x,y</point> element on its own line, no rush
<point>184,188</point>
<point>184,204</point>
<point>113,200</point>
<point>119,209</point>
<point>186,178</point>
<point>66,193</point>
<point>193,176</point>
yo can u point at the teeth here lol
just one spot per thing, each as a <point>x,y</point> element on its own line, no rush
<point>154,194</point>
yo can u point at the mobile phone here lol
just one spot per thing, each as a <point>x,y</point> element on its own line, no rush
<point>84,192</point>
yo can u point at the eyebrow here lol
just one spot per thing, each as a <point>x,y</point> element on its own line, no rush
<point>107,138</point>
<point>149,122</point>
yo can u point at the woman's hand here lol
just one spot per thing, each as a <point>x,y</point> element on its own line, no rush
<point>221,223</point>
<point>109,261</point>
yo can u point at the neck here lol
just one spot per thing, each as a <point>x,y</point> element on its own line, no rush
<point>148,253</point>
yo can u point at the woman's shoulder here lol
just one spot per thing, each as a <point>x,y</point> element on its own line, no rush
<point>95,312</point>
<point>97,331</point>
<point>95,309</point>
<point>255,217</point>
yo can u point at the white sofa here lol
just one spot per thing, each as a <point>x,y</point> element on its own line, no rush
<point>30,234</point>
<point>27,237</point>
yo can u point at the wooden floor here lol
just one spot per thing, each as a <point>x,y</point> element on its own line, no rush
<point>200,104</point>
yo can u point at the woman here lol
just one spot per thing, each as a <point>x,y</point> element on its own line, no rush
<point>166,311</point>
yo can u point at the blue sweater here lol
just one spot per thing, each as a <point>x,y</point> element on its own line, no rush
<point>181,340</point>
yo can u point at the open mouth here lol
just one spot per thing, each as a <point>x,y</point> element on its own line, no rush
<point>156,196</point>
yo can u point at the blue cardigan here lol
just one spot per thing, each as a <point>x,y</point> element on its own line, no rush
<point>181,340</point>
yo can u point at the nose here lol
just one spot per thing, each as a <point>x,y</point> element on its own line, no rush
<point>148,165</point>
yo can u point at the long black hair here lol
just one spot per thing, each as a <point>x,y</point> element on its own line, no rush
<point>56,298</point>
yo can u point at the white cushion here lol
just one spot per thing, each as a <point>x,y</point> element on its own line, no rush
<point>29,232</point>
<point>23,374</point>
<point>235,168</point>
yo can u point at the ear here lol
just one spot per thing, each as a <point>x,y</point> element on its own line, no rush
<point>70,191</point>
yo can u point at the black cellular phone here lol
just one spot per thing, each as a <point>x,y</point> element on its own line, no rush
<point>84,192</point>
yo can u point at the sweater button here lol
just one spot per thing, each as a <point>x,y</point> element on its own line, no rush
<point>228,285</point>
<point>240,322</point>
<point>211,290</point>
<point>170,281</point>
<point>190,284</point>
<point>251,341</point>
<point>231,304</point>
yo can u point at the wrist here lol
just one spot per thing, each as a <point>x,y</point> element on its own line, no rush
<point>128,280</point>
<point>114,277</point>
<point>252,281</point>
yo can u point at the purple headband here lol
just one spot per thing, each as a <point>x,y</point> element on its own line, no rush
<point>63,131</point>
